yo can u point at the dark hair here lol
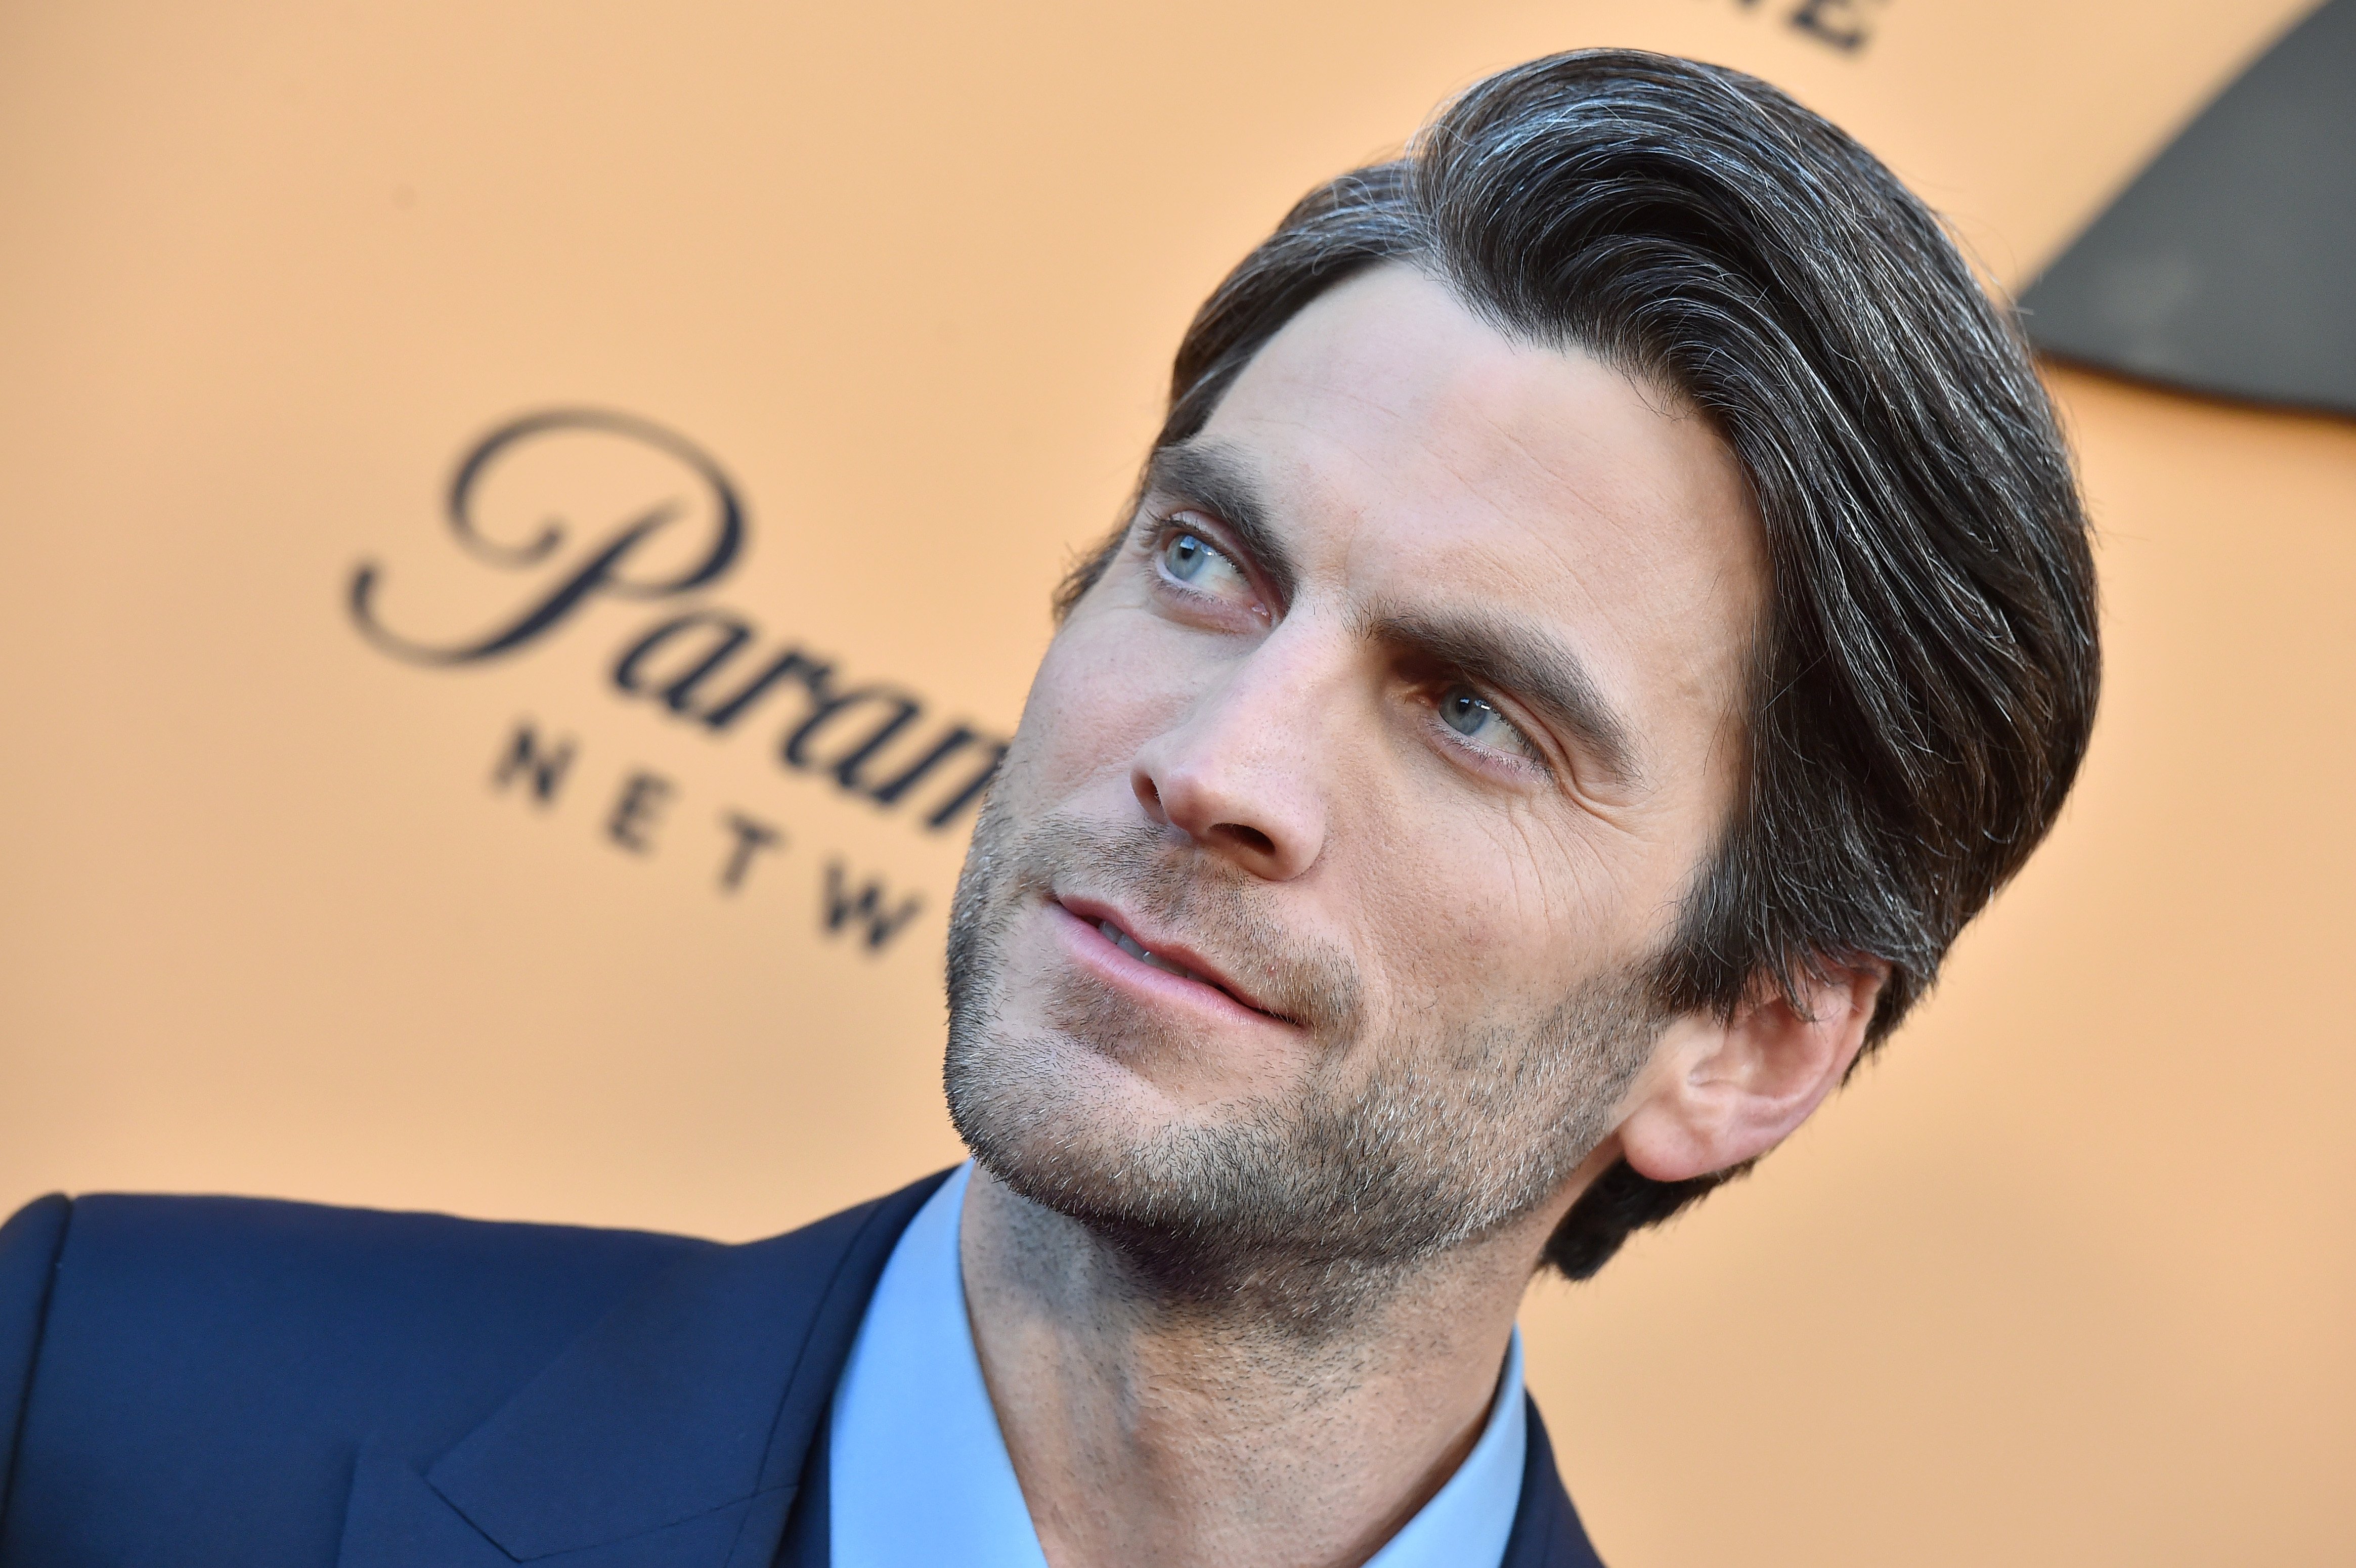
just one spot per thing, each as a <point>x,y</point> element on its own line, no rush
<point>1924,685</point>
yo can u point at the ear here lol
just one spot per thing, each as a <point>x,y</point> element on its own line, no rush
<point>1719,1092</point>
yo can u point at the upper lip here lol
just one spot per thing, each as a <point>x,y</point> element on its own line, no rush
<point>1177,953</point>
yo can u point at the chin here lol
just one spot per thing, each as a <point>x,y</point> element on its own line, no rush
<point>1223,1155</point>
<point>1030,1103</point>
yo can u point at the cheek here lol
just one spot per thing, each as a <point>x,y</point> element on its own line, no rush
<point>1097,698</point>
<point>1475,911</point>
<point>1504,913</point>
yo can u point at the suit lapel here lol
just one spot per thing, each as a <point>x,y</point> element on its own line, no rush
<point>673,1434</point>
<point>396,1520</point>
<point>677,1432</point>
<point>1547,1531</point>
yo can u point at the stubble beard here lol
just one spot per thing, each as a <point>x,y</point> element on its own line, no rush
<point>1300,1214</point>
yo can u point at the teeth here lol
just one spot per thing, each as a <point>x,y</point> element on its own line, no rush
<point>1136,950</point>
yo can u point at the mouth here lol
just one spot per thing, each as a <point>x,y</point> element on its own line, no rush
<point>1136,950</point>
<point>1194,972</point>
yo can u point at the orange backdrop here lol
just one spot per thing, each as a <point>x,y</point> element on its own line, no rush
<point>2065,1280</point>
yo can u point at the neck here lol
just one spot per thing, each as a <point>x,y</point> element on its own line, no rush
<point>1166,1431</point>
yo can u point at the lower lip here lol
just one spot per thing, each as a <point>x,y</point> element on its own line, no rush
<point>1098,953</point>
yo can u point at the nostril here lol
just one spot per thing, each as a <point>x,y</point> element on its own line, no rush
<point>1251,839</point>
<point>1148,795</point>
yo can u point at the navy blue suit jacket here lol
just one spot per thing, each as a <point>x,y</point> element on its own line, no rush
<point>204,1382</point>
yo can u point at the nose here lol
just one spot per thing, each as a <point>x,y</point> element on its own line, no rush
<point>1241,772</point>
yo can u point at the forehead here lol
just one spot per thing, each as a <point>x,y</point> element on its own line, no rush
<point>1412,455</point>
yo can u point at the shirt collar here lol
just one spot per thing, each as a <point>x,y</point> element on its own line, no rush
<point>919,1473</point>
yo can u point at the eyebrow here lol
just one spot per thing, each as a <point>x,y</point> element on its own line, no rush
<point>1519,659</point>
<point>1485,649</point>
<point>1221,482</point>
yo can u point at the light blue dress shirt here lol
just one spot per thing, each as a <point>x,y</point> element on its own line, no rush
<point>920,1474</point>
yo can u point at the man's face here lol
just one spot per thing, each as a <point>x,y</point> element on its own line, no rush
<point>1394,734</point>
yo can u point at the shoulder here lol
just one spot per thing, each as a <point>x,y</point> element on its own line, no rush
<point>151,1345</point>
<point>28,1257</point>
<point>306,1260</point>
<point>339,1297</point>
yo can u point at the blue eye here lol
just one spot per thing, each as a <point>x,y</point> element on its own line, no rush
<point>1184,556</point>
<point>1476,718</point>
<point>1188,564</point>
<point>1467,711</point>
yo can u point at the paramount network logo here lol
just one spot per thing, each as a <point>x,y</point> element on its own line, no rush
<point>666,525</point>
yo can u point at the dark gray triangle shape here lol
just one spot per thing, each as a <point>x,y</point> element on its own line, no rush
<point>2229,266</point>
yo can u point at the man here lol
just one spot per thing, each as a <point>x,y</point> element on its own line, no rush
<point>1607,604</point>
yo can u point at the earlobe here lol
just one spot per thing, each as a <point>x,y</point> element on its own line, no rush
<point>1721,1091</point>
